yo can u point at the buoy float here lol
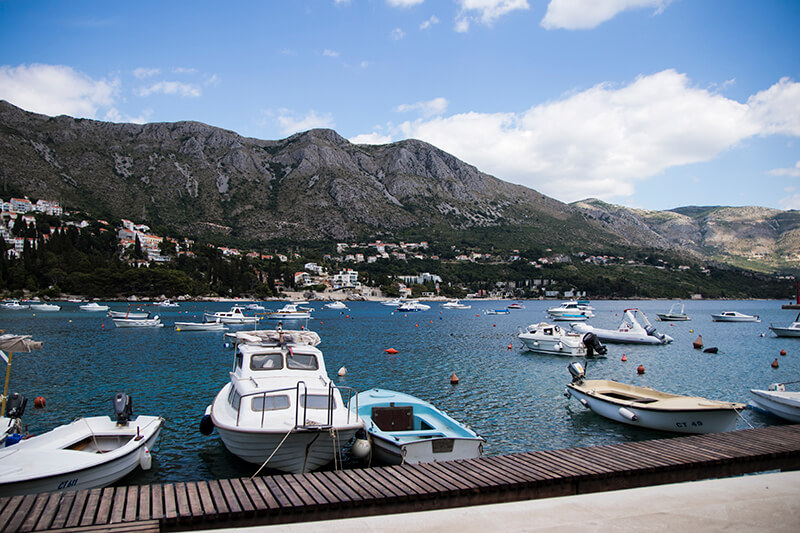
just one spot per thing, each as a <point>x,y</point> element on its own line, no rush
<point>775,363</point>
<point>102,325</point>
<point>416,325</point>
<point>453,379</point>
<point>39,402</point>
<point>783,352</point>
<point>431,321</point>
<point>698,342</point>
<point>640,369</point>
<point>494,325</point>
<point>713,349</point>
<point>391,350</point>
<point>342,371</point>
<point>624,358</point>
<point>360,448</point>
<point>509,345</point>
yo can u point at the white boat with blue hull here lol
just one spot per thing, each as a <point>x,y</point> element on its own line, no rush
<point>649,408</point>
<point>404,429</point>
<point>88,453</point>
<point>280,410</point>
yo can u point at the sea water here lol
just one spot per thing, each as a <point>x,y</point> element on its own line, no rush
<point>512,397</point>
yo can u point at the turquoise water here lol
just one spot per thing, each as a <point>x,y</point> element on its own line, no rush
<point>511,397</point>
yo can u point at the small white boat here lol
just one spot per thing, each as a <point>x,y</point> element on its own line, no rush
<point>279,409</point>
<point>167,303</point>
<point>649,408</point>
<point>139,313</point>
<point>570,317</point>
<point>570,308</point>
<point>154,322</point>
<point>13,305</point>
<point>87,453</point>
<point>777,401</point>
<point>44,307</point>
<point>497,312</point>
<point>93,306</point>
<point>455,304</point>
<point>734,316</point>
<point>407,430</point>
<point>675,314</point>
<point>200,326</point>
<point>289,312</point>
<point>234,316</point>
<point>630,331</point>
<point>553,339</point>
<point>412,307</point>
<point>255,307</point>
<point>336,305</point>
<point>792,330</point>
<point>393,302</point>
<point>515,305</point>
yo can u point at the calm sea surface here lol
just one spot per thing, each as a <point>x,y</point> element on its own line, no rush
<point>511,397</point>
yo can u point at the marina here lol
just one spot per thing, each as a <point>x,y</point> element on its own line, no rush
<point>511,397</point>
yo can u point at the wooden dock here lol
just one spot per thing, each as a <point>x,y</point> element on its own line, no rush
<point>396,489</point>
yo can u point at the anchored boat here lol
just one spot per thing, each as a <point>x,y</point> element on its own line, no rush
<point>630,331</point>
<point>553,339</point>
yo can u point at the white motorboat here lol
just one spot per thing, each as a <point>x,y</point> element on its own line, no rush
<point>394,302</point>
<point>570,317</point>
<point>777,401</point>
<point>154,322</point>
<point>234,316</point>
<point>497,312</point>
<point>44,307</point>
<point>515,305</point>
<point>93,306</point>
<point>289,312</point>
<point>13,305</point>
<point>570,308</point>
<point>336,305</point>
<point>129,314</point>
<point>167,303</point>
<point>553,339</point>
<point>454,304</point>
<point>649,408</point>
<point>630,331</point>
<point>87,453</point>
<point>734,316</point>
<point>255,307</point>
<point>408,430</point>
<point>675,314</point>
<point>200,326</point>
<point>792,330</point>
<point>412,307</point>
<point>280,410</point>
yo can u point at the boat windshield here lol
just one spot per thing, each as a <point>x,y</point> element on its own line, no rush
<point>317,401</point>
<point>270,403</point>
<point>302,361</point>
<point>266,361</point>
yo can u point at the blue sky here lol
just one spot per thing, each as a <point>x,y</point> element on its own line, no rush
<point>646,103</point>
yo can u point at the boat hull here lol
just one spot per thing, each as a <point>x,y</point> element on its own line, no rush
<point>552,346</point>
<point>132,314</point>
<point>425,451</point>
<point>209,317</point>
<point>137,323</point>
<point>200,326</point>
<point>665,317</point>
<point>785,332</point>
<point>782,404</point>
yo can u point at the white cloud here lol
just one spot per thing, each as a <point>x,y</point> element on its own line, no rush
<point>791,202</point>
<point>404,3</point>
<point>184,70</point>
<point>330,53</point>
<point>791,171</point>
<point>290,124</point>
<point>170,87</point>
<point>56,90</point>
<point>485,11</point>
<point>587,14</point>
<point>371,138</point>
<point>428,23</point>
<point>431,108</point>
<point>398,34</point>
<point>603,140</point>
<point>143,72</point>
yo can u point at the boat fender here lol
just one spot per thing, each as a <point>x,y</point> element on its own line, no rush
<point>206,425</point>
<point>567,393</point>
<point>627,413</point>
<point>13,439</point>
<point>361,448</point>
<point>558,346</point>
<point>145,459</point>
<point>583,402</point>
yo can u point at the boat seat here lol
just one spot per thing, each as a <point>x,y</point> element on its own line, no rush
<point>394,418</point>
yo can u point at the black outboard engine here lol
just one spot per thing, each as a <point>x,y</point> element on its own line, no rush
<point>15,405</point>
<point>593,344</point>
<point>123,408</point>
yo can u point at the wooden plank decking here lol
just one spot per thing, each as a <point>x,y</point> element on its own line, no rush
<point>394,489</point>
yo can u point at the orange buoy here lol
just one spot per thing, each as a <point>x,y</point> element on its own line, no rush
<point>698,342</point>
<point>453,379</point>
<point>640,369</point>
<point>783,352</point>
<point>431,321</point>
<point>391,350</point>
<point>39,402</point>
<point>102,325</point>
<point>509,345</point>
<point>416,325</point>
<point>775,363</point>
<point>494,325</point>
<point>624,358</point>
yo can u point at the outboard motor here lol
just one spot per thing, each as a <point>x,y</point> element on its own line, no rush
<point>593,344</point>
<point>577,372</point>
<point>15,405</point>
<point>123,408</point>
<point>651,330</point>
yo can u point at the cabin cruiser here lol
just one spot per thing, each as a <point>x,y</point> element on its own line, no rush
<point>234,316</point>
<point>570,308</point>
<point>255,307</point>
<point>13,305</point>
<point>44,307</point>
<point>280,410</point>
<point>454,304</point>
<point>129,314</point>
<point>394,302</point>
<point>516,305</point>
<point>734,316</point>
<point>649,408</point>
<point>167,303</point>
<point>792,330</point>
<point>675,314</point>
<point>553,339</point>
<point>289,311</point>
<point>630,331</point>
<point>336,305</point>
<point>93,306</point>
<point>412,306</point>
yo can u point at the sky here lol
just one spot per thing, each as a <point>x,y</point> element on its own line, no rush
<point>652,104</point>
